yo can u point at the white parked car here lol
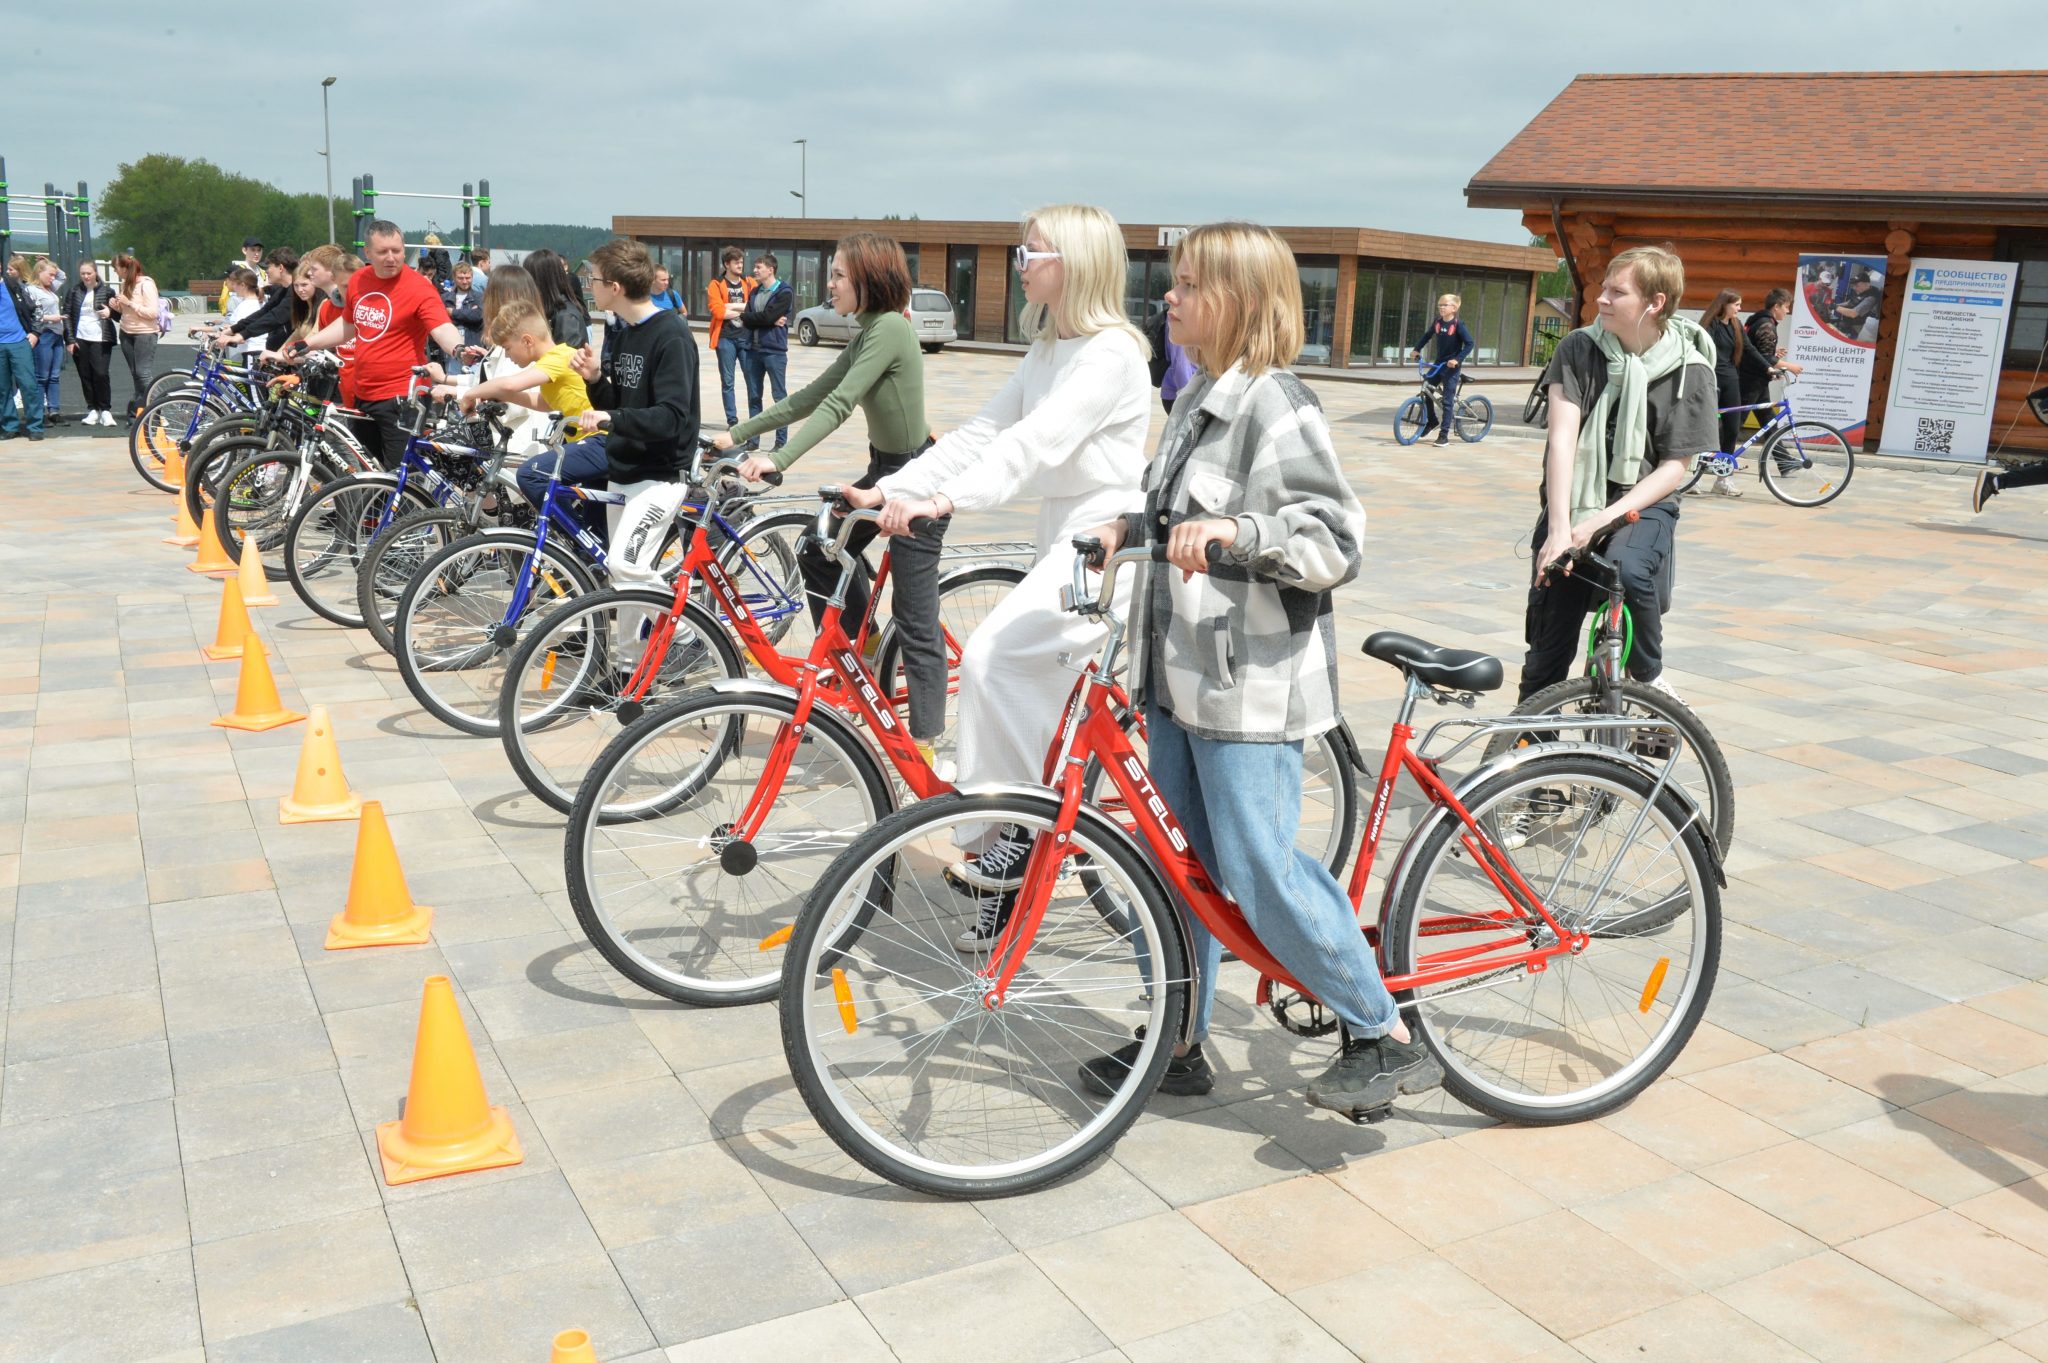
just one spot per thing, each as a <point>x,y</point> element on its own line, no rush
<point>930,314</point>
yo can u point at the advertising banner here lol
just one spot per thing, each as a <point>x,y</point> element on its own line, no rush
<point>1835,306</point>
<point>1945,369</point>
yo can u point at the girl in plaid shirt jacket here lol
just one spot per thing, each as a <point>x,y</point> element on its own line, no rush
<point>1235,661</point>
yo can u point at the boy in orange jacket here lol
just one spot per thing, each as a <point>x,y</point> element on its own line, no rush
<point>728,297</point>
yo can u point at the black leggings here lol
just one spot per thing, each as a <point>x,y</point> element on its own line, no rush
<point>1728,393</point>
<point>2026,475</point>
<point>913,591</point>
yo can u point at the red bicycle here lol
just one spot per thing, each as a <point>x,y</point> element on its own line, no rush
<point>1554,981</point>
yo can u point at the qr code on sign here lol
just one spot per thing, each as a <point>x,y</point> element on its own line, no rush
<point>1935,435</point>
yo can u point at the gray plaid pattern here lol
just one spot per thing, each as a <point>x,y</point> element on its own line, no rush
<point>1253,642</point>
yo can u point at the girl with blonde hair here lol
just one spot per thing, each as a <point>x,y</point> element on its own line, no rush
<point>1237,666</point>
<point>1069,428</point>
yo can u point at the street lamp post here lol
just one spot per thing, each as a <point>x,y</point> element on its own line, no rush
<point>327,152</point>
<point>803,173</point>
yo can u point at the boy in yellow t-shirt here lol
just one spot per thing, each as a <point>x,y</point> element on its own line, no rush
<point>545,381</point>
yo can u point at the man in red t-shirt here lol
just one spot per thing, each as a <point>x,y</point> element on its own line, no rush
<point>392,313</point>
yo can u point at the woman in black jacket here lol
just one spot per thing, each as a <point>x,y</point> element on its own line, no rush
<point>1723,324</point>
<point>89,336</point>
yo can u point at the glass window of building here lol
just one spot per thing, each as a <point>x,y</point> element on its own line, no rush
<point>1013,314</point>
<point>2027,333</point>
<point>1318,307</point>
<point>807,276</point>
<point>961,264</point>
<point>1365,308</point>
<point>1392,336</point>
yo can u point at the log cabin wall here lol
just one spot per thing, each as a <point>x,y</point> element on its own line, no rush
<point>1755,249</point>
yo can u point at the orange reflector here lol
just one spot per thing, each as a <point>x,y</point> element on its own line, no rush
<point>547,671</point>
<point>1654,983</point>
<point>843,991</point>
<point>778,937</point>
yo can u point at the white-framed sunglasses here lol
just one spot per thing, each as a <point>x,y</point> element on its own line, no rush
<point>1024,256</point>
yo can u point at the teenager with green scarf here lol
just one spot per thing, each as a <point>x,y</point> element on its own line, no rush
<point>1632,399</point>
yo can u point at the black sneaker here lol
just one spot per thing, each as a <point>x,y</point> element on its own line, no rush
<point>1186,1076</point>
<point>1000,865</point>
<point>1442,441</point>
<point>992,915</point>
<point>1370,1072</point>
<point>1987,488</point>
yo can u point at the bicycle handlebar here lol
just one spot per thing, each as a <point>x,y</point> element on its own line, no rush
<point>849,515</point>
<point>1088,554</point>
<point>1591,550</point>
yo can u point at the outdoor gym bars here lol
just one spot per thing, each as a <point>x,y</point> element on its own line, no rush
<point>474,198</point>
<point>67,221</point>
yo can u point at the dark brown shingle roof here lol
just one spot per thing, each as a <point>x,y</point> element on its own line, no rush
<point>1906,136</point>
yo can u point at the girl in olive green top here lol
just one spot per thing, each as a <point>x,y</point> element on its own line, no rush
<point>881,372</point>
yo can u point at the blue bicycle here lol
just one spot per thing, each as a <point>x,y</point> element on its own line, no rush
<point>467,607</point>
<point>449,463</point>
<point>1803,462</point>
<point>175,413</point>
<point>1418,415</point>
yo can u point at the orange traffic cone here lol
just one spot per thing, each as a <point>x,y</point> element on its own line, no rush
<point>184,533</point>
<point>257,706</point>
<point>380,911</point>
<point>572,1346</point>
<point>234,627</point>
<point>212,558</point>
<point>321,793</point>
<point>255,582</point>
<point>174,468</point>
<point>449,1126</point>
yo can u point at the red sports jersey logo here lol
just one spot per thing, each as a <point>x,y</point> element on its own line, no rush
<point>372,316</point>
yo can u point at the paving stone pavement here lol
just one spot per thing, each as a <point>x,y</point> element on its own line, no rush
<point>1849,1162</point>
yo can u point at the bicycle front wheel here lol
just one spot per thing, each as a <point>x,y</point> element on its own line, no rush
<point>1475,417</point>
<point>1702,769</point>
<point>900,1054</point>
<point>1536,407</point>
<point>562,704</point>
<point>259,497</point>
<point>662,883</point>
<point>1809,463</point>
<point>1411,420</point>
<point>461,617</point>
<point>325,541</point>
<point>1592,1028</point>
<point>162,424</point>
<point>761,560</point>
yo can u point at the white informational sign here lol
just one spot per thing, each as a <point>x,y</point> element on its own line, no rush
<point>1945,367</point>
<point>1833,338</point>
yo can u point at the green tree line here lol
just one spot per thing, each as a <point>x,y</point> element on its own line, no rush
<point>185,220</point>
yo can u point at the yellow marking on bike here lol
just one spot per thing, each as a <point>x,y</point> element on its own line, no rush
<point>1828,484</point>
<point>554,583</point>
<point>781,935</point>
<point>843,991</point>
<point>547,671</point>
<point>1654,984</point>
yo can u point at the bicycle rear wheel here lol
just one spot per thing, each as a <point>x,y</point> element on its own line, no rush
<point>561,706</point>
<point>761,560</point>
<point>1592,1029</point>
<point>1809,463</point>
<point>391,558</point>
<point>457,627</point>
<point>1536,407</point>
<point>1411,420</point>
<point>898,1055</point>
<point>965,599</point>
<point>324,544</point>
<point>661,885</point>
<point>1702,770</point>
<point>1475,417</point>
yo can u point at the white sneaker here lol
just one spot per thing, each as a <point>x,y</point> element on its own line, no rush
<point>1662,682</point>
<point>91,418</point>
<point>106,417</point>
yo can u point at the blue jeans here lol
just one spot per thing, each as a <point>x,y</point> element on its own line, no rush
<point>729,352</point>
<point>18,375</point>
<point>49,362</point>
<point>583,465</point>
<point>1447,415</point>
<point>773,365</point>
<point>1240,804</point>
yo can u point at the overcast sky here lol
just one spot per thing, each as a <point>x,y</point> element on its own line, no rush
<point>1362,113</point>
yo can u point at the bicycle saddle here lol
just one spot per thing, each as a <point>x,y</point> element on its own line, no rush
<point>1459,669</point>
